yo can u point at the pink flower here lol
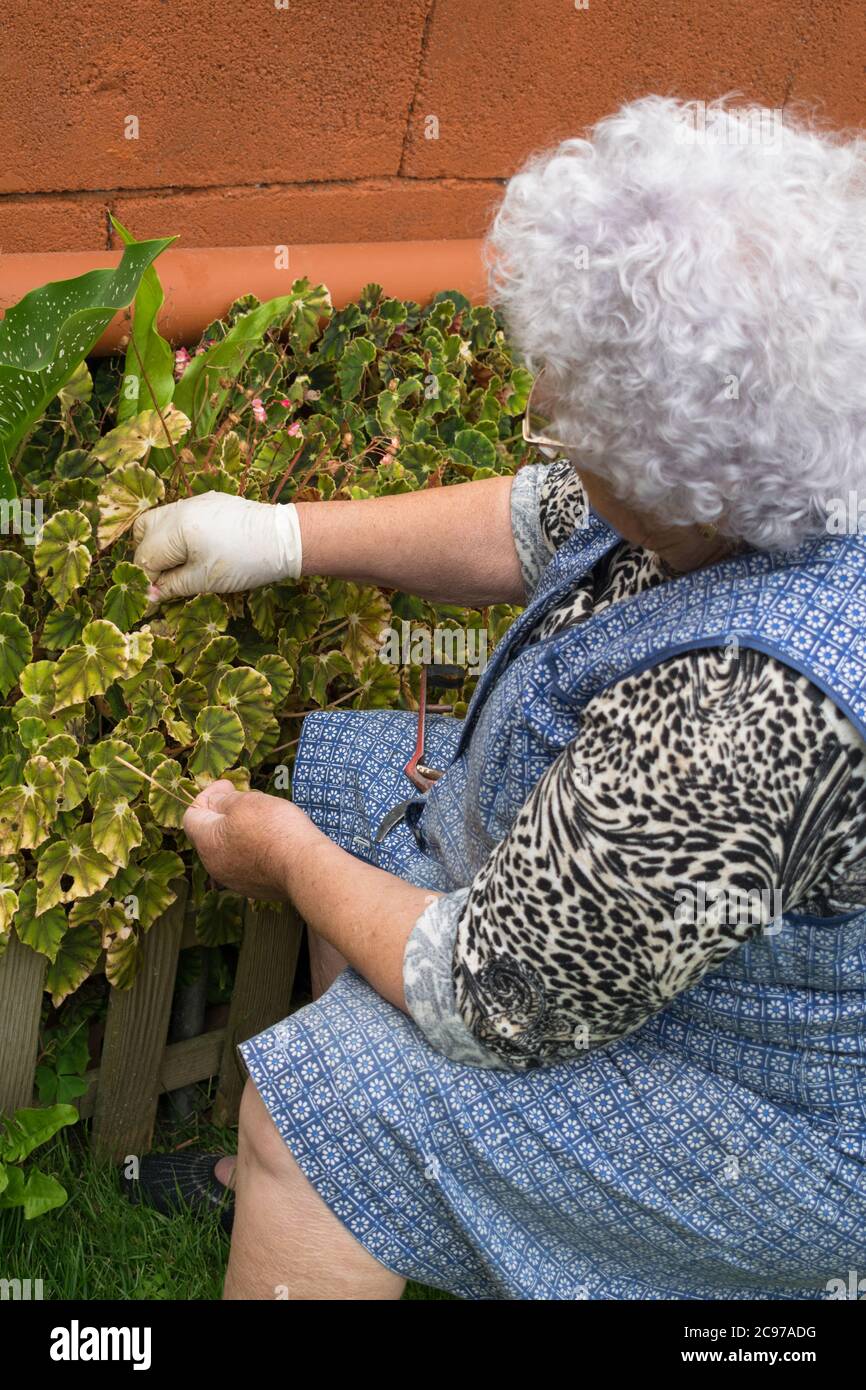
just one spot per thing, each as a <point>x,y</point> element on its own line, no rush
<point>181,361</point>
<point>284,400</point>
<point>259,410</point>
<point>294,428</point>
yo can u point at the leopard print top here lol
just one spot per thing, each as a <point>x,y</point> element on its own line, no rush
<point>703,770</point>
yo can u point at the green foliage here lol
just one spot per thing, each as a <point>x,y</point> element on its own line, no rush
<point>115,712</point>
<point>46,335</point>
<point>29,1187</point>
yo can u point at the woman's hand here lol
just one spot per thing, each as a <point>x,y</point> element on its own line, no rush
<point>266,848</point>
<point>217,544</point>
<point>248,841</point>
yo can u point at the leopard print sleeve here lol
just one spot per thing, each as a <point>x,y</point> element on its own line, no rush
<point>547,503</point>
<point>701,799</point>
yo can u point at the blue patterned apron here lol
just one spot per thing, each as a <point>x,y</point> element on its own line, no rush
<point>717,1152</point>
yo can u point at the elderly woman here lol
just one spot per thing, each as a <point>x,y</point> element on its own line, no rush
<point>591,1013</point>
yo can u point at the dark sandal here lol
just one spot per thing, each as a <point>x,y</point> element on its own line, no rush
<point>170,1182</point>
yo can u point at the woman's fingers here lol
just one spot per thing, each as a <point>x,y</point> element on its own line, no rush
<point>208,809</point>
<point>160,540</point>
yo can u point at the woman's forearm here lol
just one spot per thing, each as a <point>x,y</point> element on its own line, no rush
<point>365,913</point>
<point>447,544</point>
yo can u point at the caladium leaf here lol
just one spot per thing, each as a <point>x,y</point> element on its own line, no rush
<point>79,951</point>
<point>91,665</point>
<point>127,599</point>
<point>201,620</point>
<point>125,494</point>
<point>75,859</point>
<point>79,387</point>
<point>148,376</point>
<point>28,810</point>
<point>42,932</point>
<point>45,336</point>
<point>168,805</point>
<point>200,392</point>
<point>62,555</point>
<point>220,740</point>
<point>110,778</point>
<point>16,649</point>
<point>115,829</point>
<point>247,693</point>
<point>61,752</point>
<point>152,884</point>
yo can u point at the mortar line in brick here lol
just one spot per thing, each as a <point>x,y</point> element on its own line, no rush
<point>379,182</point>
<point>410,114</point>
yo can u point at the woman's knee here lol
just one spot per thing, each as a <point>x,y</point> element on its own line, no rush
<point>260,1142</point>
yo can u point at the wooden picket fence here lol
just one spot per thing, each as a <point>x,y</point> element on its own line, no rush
<point>138,1064</point>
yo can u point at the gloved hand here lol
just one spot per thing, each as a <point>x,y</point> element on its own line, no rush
<point>217,544</point>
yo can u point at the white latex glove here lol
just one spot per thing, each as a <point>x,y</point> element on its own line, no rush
<point>217,544</point>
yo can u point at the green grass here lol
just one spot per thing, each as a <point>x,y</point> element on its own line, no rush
<point>98,1246</point>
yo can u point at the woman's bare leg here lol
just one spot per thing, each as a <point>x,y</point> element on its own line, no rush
<point>287,1243</point>
<point>325,965</point>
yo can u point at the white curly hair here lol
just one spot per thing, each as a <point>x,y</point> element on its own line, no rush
<point>697,294</point>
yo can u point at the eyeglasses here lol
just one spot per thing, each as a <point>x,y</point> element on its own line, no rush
<point>534,426</point>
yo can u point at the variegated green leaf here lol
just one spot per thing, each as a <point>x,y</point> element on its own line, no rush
<point>125,494</point>
<point>248,694</point>
<point>42,932</point>
<point>61,752</point>
<point>79,951</point>
<point>91,665</point>
<point>220,741</point>
<point>109,777</point>
<point>16,649</point>
<point>126,601</point>
<point>115,829</point>
<point>62,556</point>
<point>74,859</point>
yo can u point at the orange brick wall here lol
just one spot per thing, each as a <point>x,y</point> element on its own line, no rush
<point>261,125</point>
